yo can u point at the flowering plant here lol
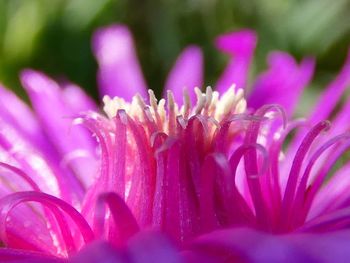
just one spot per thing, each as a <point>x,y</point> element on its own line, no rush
<point>201,176</point>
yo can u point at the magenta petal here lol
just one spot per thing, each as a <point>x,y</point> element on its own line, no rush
<point>186,73</point>
<point>77,99</point>
<point>16,113</point>
<point>125,224</point>
<point>74,143</point>
<point>150,247</point>
<point>246,245</point>
<point>16,255</point>
<point>120,73</point>
<point>332,94</point>
<point>282,83</point>
<point>240,46</point>
<point>98,252</point>
<point>27,231</point>
<point>17,150</point>
<point>340,122</point>
<point>56,206</point>
<point>325,247</point>
<point>334,195</point>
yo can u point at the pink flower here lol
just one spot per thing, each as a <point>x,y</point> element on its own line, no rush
<point>196,177</point>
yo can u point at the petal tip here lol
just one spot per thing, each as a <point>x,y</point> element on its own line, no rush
<point>35,81</point>
<point>111,42</point>
<point>238,41</point>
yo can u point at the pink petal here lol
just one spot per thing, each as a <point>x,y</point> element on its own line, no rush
<point>16,113</point>
<point>282,83</point>
<point>120,73</point>
<point>340,122</point>
<point>294,173</point>
<point>55,205</point>
<point>240,46</point>
<point>17,150</point>
<point>77,99</point>
<point>186,73</point>
<point>326,103</point>
<point>325,247</point>
<point>125,225</point>
<point>333,195</point>
<point>151,247</point>
<point>25,256</point>
<point>99,252</point>
<point>332,94</point>
<point>248,245</point>
<point>74,143</point>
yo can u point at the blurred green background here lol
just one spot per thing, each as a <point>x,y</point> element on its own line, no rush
<point>54,35</point>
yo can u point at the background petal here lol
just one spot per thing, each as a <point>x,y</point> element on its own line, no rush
<point>119,71</point>
<point>187,72</point>
<point>240,46</point>
<point>282,83</point>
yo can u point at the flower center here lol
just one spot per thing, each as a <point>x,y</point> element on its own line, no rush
<point>165,112</point>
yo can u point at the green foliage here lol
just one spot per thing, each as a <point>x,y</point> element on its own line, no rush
<point>54,35</point>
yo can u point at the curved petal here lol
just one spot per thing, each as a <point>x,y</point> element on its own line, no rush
<point>334,195</point>
<point>125,224</point>
<point>326,103</point>
<point>15,235</point>
<point>240,46</point>
<point>187,72</point>
<point>119,73</point>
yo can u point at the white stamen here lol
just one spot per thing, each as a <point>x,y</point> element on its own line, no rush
<point>152,99</point>
<point>140,101</point>
<point>171,100</point>
<point>209,104</point>
<point>187,103</point>
<point>209,96</point>
<point>200,100</point>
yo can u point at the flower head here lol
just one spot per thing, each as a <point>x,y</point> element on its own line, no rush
<point>216,172</point>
